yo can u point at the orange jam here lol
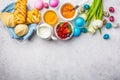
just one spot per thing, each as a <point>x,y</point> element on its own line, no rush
<point>67,10</point>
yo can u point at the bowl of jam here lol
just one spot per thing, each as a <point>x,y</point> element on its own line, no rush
<point>64,30</point>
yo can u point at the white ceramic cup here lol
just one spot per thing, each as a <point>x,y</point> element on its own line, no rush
<point>45,31</point>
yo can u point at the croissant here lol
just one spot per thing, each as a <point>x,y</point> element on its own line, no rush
<point>33,16</point>
<point>7,19</point>
<point>20,11</point>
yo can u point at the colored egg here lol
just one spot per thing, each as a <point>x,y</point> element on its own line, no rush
<point>54,3</point>
<point>111,9</point>
<point>84,30</point>
<point>82,10</point>
<point>106,14</point>
<point>108,25</point>
<point>79,22</point>
<point>106,36</point>
<point>104,21</point>
<point>46,5</point>
<point>86,6</point>
<point>77,32</point>
<point>112,19</point>
<point>39,4</point>
<point>116,25</point>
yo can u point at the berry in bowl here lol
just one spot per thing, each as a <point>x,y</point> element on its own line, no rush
<point>64,30</point>
<point>67,12</point>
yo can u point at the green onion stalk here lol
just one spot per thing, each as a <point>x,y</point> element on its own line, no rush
<point>95,16</point>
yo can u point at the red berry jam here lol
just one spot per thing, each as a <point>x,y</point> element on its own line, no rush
<point>64,30</point>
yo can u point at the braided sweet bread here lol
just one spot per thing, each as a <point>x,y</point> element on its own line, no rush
<point>20,11</point>
<point>33,16</point>
<point>20,15</point>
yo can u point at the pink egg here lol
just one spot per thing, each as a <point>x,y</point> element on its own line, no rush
<point>54,3</point>
<point>46,5</point>
<point>112,9</point>
<point>39,4</point>
<point>112,19</point>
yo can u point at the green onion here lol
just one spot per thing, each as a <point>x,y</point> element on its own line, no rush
<point>93,10</point>
<point>95,13</point>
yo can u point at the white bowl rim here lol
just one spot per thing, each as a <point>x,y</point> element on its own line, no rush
<point>69,19</point>
<point>71,33</point>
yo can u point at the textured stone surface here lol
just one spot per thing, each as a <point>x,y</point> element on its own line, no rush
<point>85,58</point>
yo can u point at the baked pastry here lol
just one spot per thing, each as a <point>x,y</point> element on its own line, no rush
<point>7,19</point>
<point>33,16</point>
<point>20,11</point>
<point>21,30</point>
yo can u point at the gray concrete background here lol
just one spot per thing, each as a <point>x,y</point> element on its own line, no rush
<point>85,58</point>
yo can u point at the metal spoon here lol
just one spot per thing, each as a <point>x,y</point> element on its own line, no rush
<point>77,6</point>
